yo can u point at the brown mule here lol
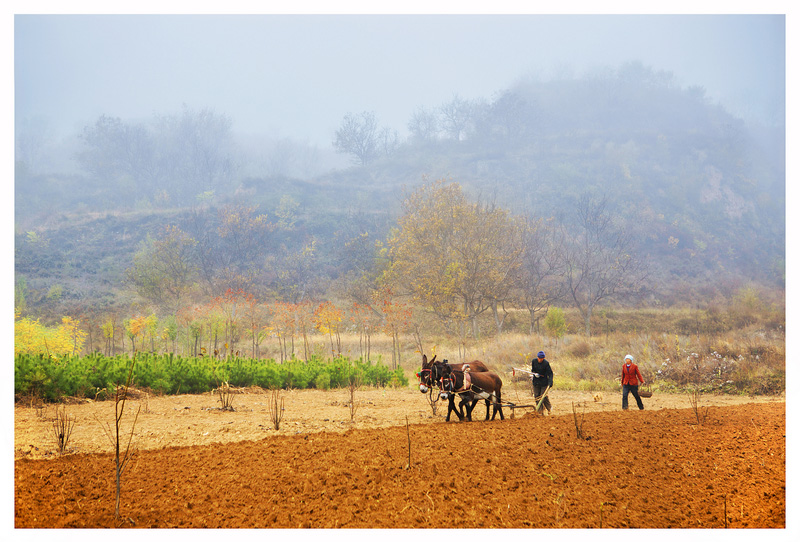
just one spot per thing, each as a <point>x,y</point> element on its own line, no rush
<point>439,369</point>
<point>471,387</point>
<point>432,371</point>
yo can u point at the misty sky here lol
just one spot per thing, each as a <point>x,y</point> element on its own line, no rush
<point>298,75</point>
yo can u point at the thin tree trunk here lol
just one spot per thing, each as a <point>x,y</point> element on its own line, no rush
<point>588,317</point>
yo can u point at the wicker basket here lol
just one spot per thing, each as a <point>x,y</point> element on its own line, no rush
<point>645,394</point>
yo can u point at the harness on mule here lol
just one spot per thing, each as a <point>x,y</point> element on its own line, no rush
<point>467,386</point>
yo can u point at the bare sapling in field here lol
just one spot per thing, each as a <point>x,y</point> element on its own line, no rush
<point>579,421</point>
<point>700,413</point>
<point>226,397</point>
<point>696,363</point>
<point>408,434</point>
<point>353,385</point>
<point>123,451</point>
<point>276,408</point>
<point>433,401</point>
<point>62,428</point>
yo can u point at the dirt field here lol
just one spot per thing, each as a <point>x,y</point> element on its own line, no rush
<point>199,466</point>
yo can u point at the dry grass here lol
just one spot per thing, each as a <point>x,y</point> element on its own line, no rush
<point>752,359</point>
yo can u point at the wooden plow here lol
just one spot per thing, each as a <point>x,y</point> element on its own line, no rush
<point>537,404</point>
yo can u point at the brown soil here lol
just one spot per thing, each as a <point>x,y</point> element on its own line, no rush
<point>199,466</point>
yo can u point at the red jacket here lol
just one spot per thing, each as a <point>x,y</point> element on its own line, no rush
<point>630,374</point>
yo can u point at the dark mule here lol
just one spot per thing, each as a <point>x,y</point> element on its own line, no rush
<point>428,381</point>
<point>431,372</point>
<point>471,386</point>
<point>439,368</point>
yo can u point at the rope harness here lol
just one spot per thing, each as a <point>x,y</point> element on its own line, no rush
<point>467,386</point>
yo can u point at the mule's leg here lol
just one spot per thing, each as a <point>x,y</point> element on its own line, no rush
<point>451,407</point>
<point>498,405</point>
<point>465,401</point>
<point>472,407</point>
<point>462,403</point>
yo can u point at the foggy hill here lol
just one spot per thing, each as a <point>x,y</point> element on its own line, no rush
<point>703,192</point>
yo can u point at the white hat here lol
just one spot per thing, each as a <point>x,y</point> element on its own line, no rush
<point>629,357</point>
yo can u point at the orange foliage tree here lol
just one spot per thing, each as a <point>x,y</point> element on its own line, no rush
<point>396,318</point>
<point>364,318</point>
<point>289,320</point>
<point>281,327</point>
<point>232,306</point>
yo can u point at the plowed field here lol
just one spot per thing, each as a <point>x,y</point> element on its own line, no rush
<point>197,466</point>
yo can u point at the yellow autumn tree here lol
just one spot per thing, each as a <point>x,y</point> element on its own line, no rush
<point>328,319</point>
<point>454,256</point>
<point>33,337</point>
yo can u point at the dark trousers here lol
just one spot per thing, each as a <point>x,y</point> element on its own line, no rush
<point>537,395</point>
<point>635,391</point>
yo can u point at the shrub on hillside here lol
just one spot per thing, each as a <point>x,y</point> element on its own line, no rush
<point>555,322</point>
<point>580,349</point>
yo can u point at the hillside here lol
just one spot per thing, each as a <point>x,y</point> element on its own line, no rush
<point>702,193</point>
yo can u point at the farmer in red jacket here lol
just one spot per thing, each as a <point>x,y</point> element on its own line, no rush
<point>630,382</point>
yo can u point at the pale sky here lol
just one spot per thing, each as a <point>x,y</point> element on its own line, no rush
<point>298,75</point>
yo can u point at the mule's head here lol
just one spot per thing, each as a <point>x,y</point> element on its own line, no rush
<point>425,375</point>
<point>446,379</point>
<point>440,369</point>
<point>425,380</point>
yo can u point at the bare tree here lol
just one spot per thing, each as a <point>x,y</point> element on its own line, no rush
<point>359,136</point>
<point>62,428</point>
<point>540,274</point>
<point>456,116</point>
<point>114,151</point>
<point>388,141</point>
<point>121,456</point>
<point>173,158</point>
<point>353,385</point>
<point>196,151</point>
<point>276,408</point>
<point>508,116</point>
<point>505,259</point>
<point>600,262</point>
<point>424,125</point>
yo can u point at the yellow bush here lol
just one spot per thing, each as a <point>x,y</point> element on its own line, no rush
<point>32,337</point>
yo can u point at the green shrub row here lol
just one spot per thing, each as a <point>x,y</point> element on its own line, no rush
<point>96,375</point>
